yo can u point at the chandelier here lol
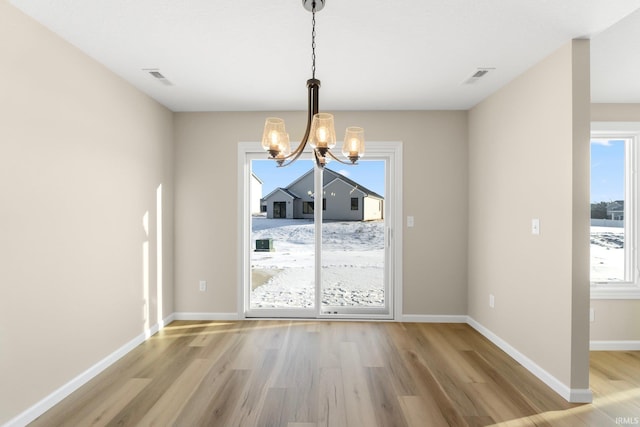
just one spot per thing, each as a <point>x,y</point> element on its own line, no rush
<point>320,133</point>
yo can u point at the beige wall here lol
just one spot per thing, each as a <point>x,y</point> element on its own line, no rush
<point>435,193</point>
<point>528,158</point>
<point>615,320</point>
<point>81,156</point>
<point>615,112</point>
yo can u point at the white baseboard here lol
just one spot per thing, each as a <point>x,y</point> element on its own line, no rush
<point>571,395</point>
<point>614,345</point>
<point>170,318</point>
<point>580,395</point>
<point>54,398</point>
<point>421,318</point>
<point>206,316</point>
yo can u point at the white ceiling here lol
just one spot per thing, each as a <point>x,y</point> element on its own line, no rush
<point>231,55</point>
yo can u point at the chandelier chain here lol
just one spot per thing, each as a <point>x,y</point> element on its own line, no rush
<point>313,41</point>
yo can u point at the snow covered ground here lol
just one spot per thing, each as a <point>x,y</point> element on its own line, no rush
<point>607,254</point>
<point>352,264</point>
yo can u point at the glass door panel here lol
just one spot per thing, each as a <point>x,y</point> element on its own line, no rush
<point>282,258</point>
<point>353,275</point>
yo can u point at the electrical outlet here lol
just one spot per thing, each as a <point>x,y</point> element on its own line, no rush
<point>203,285</point>
<point>492,301</point>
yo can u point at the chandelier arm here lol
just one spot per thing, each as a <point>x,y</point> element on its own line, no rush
<point>287,160</point>
<point>333,156</point>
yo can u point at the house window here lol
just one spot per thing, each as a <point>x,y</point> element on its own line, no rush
<point>613,193</point>
<point>307,207</point>
<point>263,208</point>
<point>354,203</point>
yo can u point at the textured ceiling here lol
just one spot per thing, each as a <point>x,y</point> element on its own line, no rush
<point>230,55</point>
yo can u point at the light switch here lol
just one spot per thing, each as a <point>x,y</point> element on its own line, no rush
<point>410,221</point>
<point>535,226</point>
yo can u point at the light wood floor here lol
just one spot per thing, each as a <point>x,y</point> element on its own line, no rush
<point>315,373</point>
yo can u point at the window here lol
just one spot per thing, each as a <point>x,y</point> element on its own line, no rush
<point>307,207</point>
<point>613,221</point>
<point>354,203</point>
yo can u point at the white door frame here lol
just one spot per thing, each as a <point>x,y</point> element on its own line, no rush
<point>388,150</point>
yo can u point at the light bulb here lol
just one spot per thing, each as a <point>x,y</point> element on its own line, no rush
<point>273,136</point>
<point>353,145</point>
<point>321,133</point>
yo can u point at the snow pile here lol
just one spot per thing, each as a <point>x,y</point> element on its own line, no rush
<point>352,264</point>
<point>608,240</point>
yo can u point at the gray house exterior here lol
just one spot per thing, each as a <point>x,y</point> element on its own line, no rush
<point>615,210</point>
<point>343,199</point>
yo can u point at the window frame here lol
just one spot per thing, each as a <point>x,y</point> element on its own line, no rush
<point>630,288</point>
<point>357,204</point>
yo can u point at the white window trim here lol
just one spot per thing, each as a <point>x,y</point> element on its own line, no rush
<point>631,289</point>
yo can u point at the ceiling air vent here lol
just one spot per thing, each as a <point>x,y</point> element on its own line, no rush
<point>158,76</point>
<point>477,75</point>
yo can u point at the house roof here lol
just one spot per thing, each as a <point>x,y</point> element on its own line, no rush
<point>284,190</point>
<point>351,182</point>
<point>335,174</point>
<point>617,205</point>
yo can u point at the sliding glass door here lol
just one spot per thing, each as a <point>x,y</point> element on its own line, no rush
<point>317,242</point>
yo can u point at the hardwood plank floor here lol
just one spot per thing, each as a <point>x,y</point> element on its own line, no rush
<point>332,374</point>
